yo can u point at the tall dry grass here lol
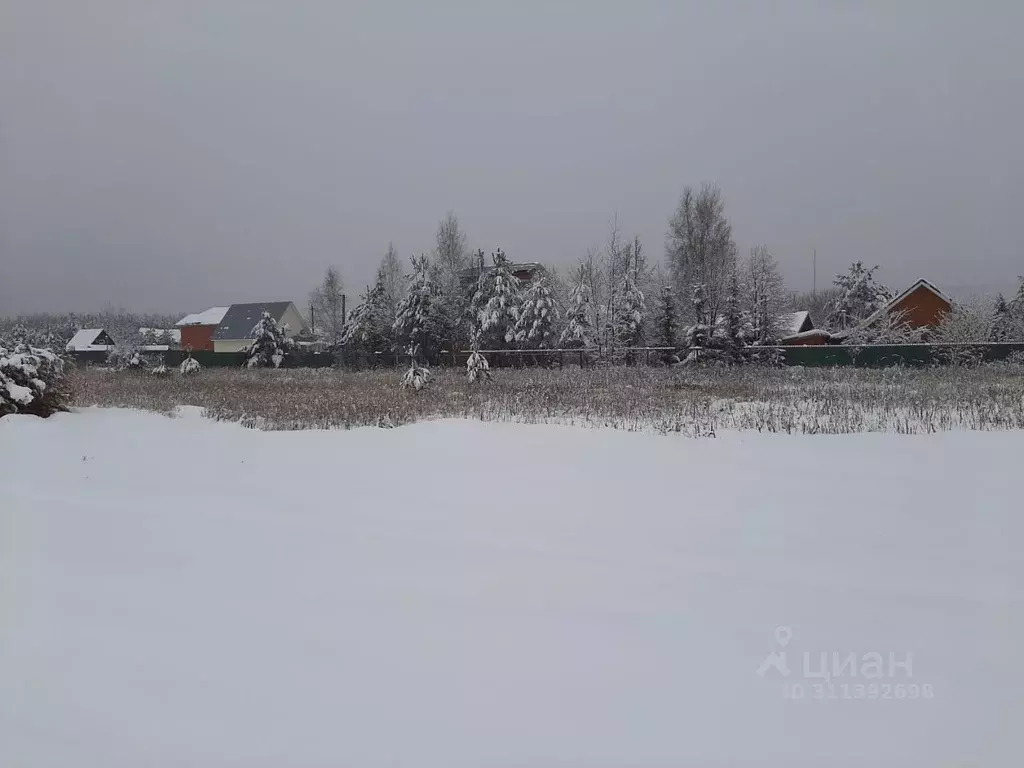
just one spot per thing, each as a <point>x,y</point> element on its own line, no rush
<point>794,400</point>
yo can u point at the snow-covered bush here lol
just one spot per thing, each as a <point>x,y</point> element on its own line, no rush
<point>127,358</point>
<point>32,381</point>
<point>158,370</point>
<point>416,377</point>
<point>189,366</point>
<point>270,345</point>
<point>477,367</point>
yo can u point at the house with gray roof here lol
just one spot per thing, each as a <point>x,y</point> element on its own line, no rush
<point>234,332</point>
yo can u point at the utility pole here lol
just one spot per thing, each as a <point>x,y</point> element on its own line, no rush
<point>814,267</point>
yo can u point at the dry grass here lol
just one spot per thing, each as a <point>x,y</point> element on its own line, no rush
<point>795,400</point>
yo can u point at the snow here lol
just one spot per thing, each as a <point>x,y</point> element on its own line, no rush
<point>789,323</point>
<point>83,340</point>
<point>211,316</point>
<point>182,592</point>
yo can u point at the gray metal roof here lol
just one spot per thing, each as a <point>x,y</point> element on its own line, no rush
<point>240,319</point>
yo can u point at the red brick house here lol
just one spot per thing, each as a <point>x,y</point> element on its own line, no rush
<point>197,329</point>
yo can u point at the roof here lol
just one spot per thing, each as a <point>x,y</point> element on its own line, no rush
<point>794,322</point>
<point>211,316</point>
<point>240,319</point>
<point>808,334</point>
<point>921,283</point>
<point>84,340</point>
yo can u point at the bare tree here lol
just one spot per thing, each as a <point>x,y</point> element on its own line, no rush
<point>451,256</point>
<point>391,280</point>
<point>700,251</point>
<point>327,302</point>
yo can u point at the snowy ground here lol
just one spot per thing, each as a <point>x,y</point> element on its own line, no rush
<point>178,592</point>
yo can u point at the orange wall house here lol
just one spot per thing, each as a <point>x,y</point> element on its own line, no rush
<point>922,304</point>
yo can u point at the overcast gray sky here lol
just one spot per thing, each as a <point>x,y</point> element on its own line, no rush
<point>168,155</point>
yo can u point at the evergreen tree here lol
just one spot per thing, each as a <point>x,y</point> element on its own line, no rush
<point>477,367</point>
<point>860,296</point>
<point>630,308</point>
<point>698,334</point>
<point>535,325</point>
<point>733,322</point>
<point>578,331</point>
<point>1000,320</point>
<point>270,345</point>
<point>415,323</point>
<point>495,305</point>
<point>369,327</point>
<point>668,322</point>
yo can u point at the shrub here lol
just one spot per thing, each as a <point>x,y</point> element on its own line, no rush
<point>32,381</point>
<point>189,366</point>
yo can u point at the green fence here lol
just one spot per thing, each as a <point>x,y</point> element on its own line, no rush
<point>868,356</point>
<point>884,355</point>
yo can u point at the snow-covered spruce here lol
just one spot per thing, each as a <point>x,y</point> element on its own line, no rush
<point>189,366</point>
<point>416,377</point>
<point>495,305</point>
<point>32,381</point>
<point>415,325</point>
<point>270,346</point>
<point>535,325</point>
<point>477,367</point>
<point>578,331</point>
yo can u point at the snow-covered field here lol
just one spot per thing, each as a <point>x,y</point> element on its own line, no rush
<point>179,592</point>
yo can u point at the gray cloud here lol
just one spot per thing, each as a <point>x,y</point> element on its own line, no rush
<point>173,155</point>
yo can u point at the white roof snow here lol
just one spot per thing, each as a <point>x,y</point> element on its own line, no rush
<point>791,322</point>
<point>211,316</point>
<point>83,341</point>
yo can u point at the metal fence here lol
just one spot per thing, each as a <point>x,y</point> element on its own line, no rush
<point>871,356</point>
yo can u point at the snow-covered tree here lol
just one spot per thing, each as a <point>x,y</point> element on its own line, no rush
<point>765,294</point>
<point>535,324</point>
<point>495,305</point>
<point>698,334</point>
<point>327,302</point>
<point>700,250</point>
<point>860,296</point>
<point>32,381</point>
<point>668,318</point>
<point>477,367</point>
<point>418,375</point>
<point>270,345</point>
<point>630,307</point>
<point>189,366</point>
<point>578,331</point>
<point>415,325</point>
<point>369,328</point>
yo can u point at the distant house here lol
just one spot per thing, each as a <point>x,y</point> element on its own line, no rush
<point>794,322</point>
<point>797,329</point>
<point>90,340</point>
<point>234,332</point>
<point>196,330</point>
<point>922,305</point>
<point>525,272</point>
